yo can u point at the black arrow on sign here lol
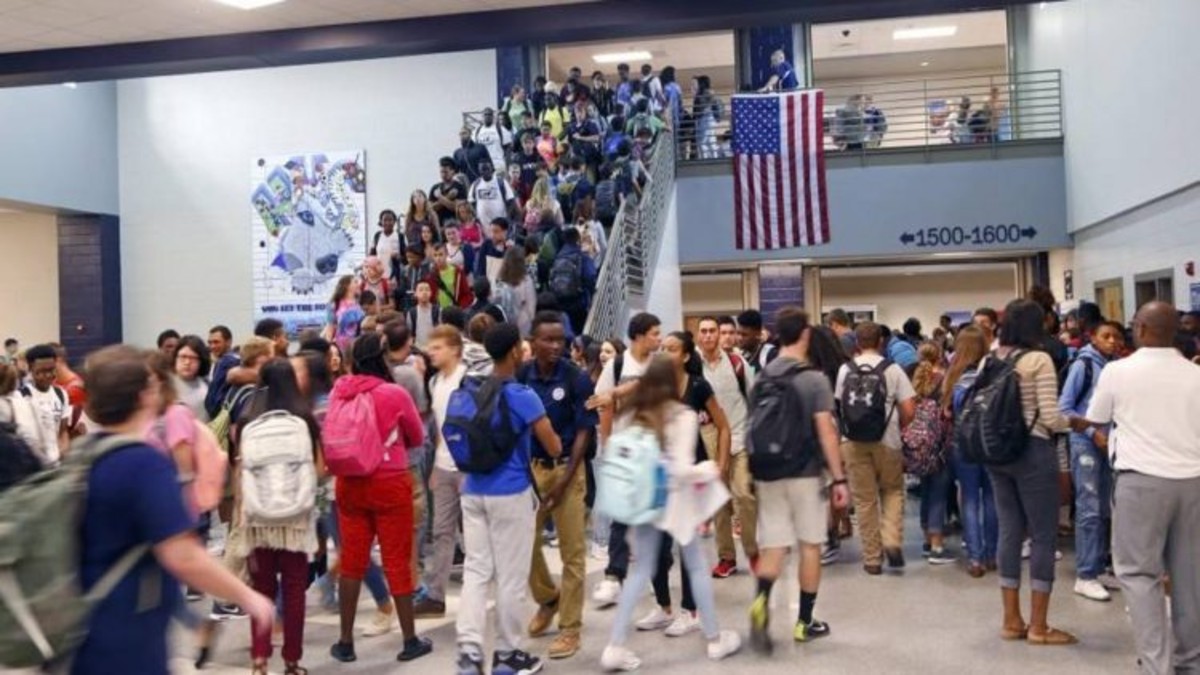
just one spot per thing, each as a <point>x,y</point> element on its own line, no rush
<point>1029,232</point>
<point>907,238</point>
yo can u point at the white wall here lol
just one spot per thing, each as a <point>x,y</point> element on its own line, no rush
<point>1129,97</point>
<point>666,292</point>
<point>29,278</point>
<point>924,296</point>
<point>186,144</point>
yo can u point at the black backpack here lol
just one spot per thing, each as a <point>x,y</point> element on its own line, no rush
<point>990,429</point>
<point>781,442</point>
<point>863,404</point>
<point>566,277</point>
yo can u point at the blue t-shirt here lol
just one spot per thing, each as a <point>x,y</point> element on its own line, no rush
<point>133,498</point>
<point>786,75</point>
<point>525,408</point>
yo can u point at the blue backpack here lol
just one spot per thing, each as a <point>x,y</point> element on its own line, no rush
<point>631,481</point>
<point>478,427</point>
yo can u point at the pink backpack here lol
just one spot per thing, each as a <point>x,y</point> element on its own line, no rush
<point>208,485</point>
<point>350,437</point>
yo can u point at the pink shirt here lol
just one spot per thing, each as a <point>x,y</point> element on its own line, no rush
<point>177,425</point>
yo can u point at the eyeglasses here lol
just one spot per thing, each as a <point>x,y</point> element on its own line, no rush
<point>188,357</point>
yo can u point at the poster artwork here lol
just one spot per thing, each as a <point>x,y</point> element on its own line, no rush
<point>307,228</point>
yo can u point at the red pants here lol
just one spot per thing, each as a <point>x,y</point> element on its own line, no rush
<point>267,566</point>
<point>379,506</point>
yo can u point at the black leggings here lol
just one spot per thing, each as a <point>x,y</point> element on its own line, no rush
<point>661,582</point>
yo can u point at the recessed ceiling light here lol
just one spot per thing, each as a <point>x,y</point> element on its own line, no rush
<point>249,4</point>
<point>71,85</point>
<point>924,64</point>
<point>618,57</point>
<point>924,33</point>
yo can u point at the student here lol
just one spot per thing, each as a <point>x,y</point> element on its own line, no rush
<point>12,348</point>
<point>561,482</point>
<point>168,341</point>
<point>927,384</point>
<point>474,353</point>
<point>494,137</point>
<point>387,245</point>
<point>1152,399</point>
<point>978,509</point>
<point>792,509</point>
<point>378,505</point>
<point>458,253</point>
<point>482,289</point>
<point>514,290</point>
<point>472,230</point>
<point>572,279</point>
<point>1027,492</point>
<point>452,283</point>
<point>728,333</point>
<point>220,349</point>
<point>988,321</point>
<point>345,294</point>
<point>491,196</point>
<point>839,321</point>
<point>191,364</point>
<point>758,351</point>
<point>50,404</point>
<point>899,350</point>
<point>654,406</point>
<point>419,214</point>
<point>873,454</point>
<point>375,279</point>
<point>1090,467</point>
<point>369,303</point>
<point>498,522</point>
<point>133,497</point>
<point>278,552</point>
<point>491,254</point>
<point>731,381</point>
<point>70,382</point>
<point>272,329</point>
<point>425,315</point>
<point>645,338</point>
<point>446,194</point>
<point>415,269</point>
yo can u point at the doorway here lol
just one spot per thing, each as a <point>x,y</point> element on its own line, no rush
<point>1110,295</point>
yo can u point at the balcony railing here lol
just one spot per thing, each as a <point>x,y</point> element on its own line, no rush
<point>862,117</point>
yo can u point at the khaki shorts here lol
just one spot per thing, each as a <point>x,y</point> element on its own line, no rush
<point>792,510</point>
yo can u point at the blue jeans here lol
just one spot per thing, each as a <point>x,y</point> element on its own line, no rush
<point>1093,490</point>
<point>981,528</point>
<point>933,500</point>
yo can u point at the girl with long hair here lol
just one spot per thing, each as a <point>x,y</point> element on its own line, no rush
<point>927,383</point>
<point>345,293</point>
<point>542,204</point>
<point>655,407</point>
<point>514,290</point>
<point>468,223</point>
<point>420,212</point>
<point>706,112</point>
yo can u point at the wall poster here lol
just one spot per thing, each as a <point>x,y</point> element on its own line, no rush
<point>308,227</point>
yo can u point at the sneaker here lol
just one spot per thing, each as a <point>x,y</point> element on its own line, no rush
<point>926,549</point>
<point>597,551</point>
<point>516,663</point>
<point>873,570</point>
<point>895,558</point>
<point>830,554</point>
<point>415,648</point>
<point>615,658</point>
<point>343,651</point>
<point>657,619</point>
<point>1109,582</point>
<point>685,622</point>
<point>760,624</point>
<point>565,645</point>
<point>727,644</point>
<point>939,556</point>
<point>429,609</point>
<point>724,569</point>
<point>381,624</point>
<point>226,611</point>
<point>607,593</point>
<point>805,632</point>
<point>469,664</point>
<point>1092,589</point>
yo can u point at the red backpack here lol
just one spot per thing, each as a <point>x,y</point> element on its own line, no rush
<point>350,437</point>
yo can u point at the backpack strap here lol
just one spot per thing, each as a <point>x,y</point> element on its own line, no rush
<point>618,366</point>
<point>739,371</point>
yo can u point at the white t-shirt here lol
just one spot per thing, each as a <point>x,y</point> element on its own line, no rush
<point>51,410</point>
<point>724,381</point>
<point>632,369</point>
<point>494,138</point>
<point>387,246</point>
<point>899,389</point>
<point>490,198</point>
<point>442,388</point>
<point>15,409</point>
<point>1154,398</point>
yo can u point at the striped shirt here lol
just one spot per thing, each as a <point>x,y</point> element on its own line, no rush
<point>1039,394</point>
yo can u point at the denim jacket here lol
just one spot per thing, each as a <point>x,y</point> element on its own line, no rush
<point>1078,389</point>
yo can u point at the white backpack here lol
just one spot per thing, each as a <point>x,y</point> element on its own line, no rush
<point>279,481</point>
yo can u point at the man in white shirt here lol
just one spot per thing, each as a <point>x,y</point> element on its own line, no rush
<point>873,451</point>
<point>49,402</point>
<point>731,381</point>
<point>491,195</point>
<point>495,138</point>
<point>1153,400</point>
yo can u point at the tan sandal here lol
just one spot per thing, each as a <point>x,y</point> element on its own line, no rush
<point>1053,637</point>
<point>1013,635</point>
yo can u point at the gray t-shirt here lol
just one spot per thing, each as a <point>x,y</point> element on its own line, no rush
<point>899,390</point>
<point>407,376</point>
<point>817,396</point>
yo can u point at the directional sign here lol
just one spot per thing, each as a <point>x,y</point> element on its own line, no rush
<point>981,235</point>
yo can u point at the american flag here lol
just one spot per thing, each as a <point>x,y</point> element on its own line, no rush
<point>779,170</point>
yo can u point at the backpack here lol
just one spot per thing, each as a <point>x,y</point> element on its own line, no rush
<point>206,486</point>
<point>1086,384</point>
<point>279,480</point>
<point>925,439</point>
<point>17,460</point>
<point>221,424</point>
<point>43,610</point>
<point>505,297</point>
<point>350,438</point>
<point>606,199</point>
<point>477,443</point>
<point>781,442</point>
<point>641,122</point>
<point>863,405</point>
<point>622,178</point>
<point>631,478</point>
<point>990,429</point>
<point>739,371</point>
<point>566,277</point>
<point>435,314</point>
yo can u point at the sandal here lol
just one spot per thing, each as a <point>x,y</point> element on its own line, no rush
<point>294,669</point>
<point>1010,634</point>
<point>1053,637</point>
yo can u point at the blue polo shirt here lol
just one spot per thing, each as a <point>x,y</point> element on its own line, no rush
<point>786,75</point>
<point>564,395</point>
<point>512,477</point>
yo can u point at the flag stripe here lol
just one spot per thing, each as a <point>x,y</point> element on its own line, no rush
<point>822,197</point>
<point>793,202</point>
<point>739,222</point>
<point>807,152</point>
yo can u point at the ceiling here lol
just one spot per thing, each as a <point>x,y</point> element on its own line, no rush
<point>32,25</point>
<point>866,38</point>
<point>690,52</point>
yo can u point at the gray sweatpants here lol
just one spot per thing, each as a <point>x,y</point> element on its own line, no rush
<point>446,487</point>
<point>1156,529</point>
<point>498,537</point>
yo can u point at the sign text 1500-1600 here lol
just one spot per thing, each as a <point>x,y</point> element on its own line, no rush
<point>982,235</point>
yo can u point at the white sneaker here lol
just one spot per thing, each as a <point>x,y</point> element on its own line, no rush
<point>657,619</point>
<point>1092,590</point>
<point>685,622</point>
<point>381,624</point>
<point>607,593</point>
<point>597,551</point>
<point>727,644</point>
<point>619,658</point>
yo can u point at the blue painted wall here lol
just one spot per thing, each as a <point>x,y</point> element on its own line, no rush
<point>511,68</point>
<point>58,147</point>
<point>871,208</point>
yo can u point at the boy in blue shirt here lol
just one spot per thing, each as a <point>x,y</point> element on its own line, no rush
<point>499,511</point>
<point>783,76</point>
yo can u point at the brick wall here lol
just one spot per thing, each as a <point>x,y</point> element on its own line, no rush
<point>89,283</point>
